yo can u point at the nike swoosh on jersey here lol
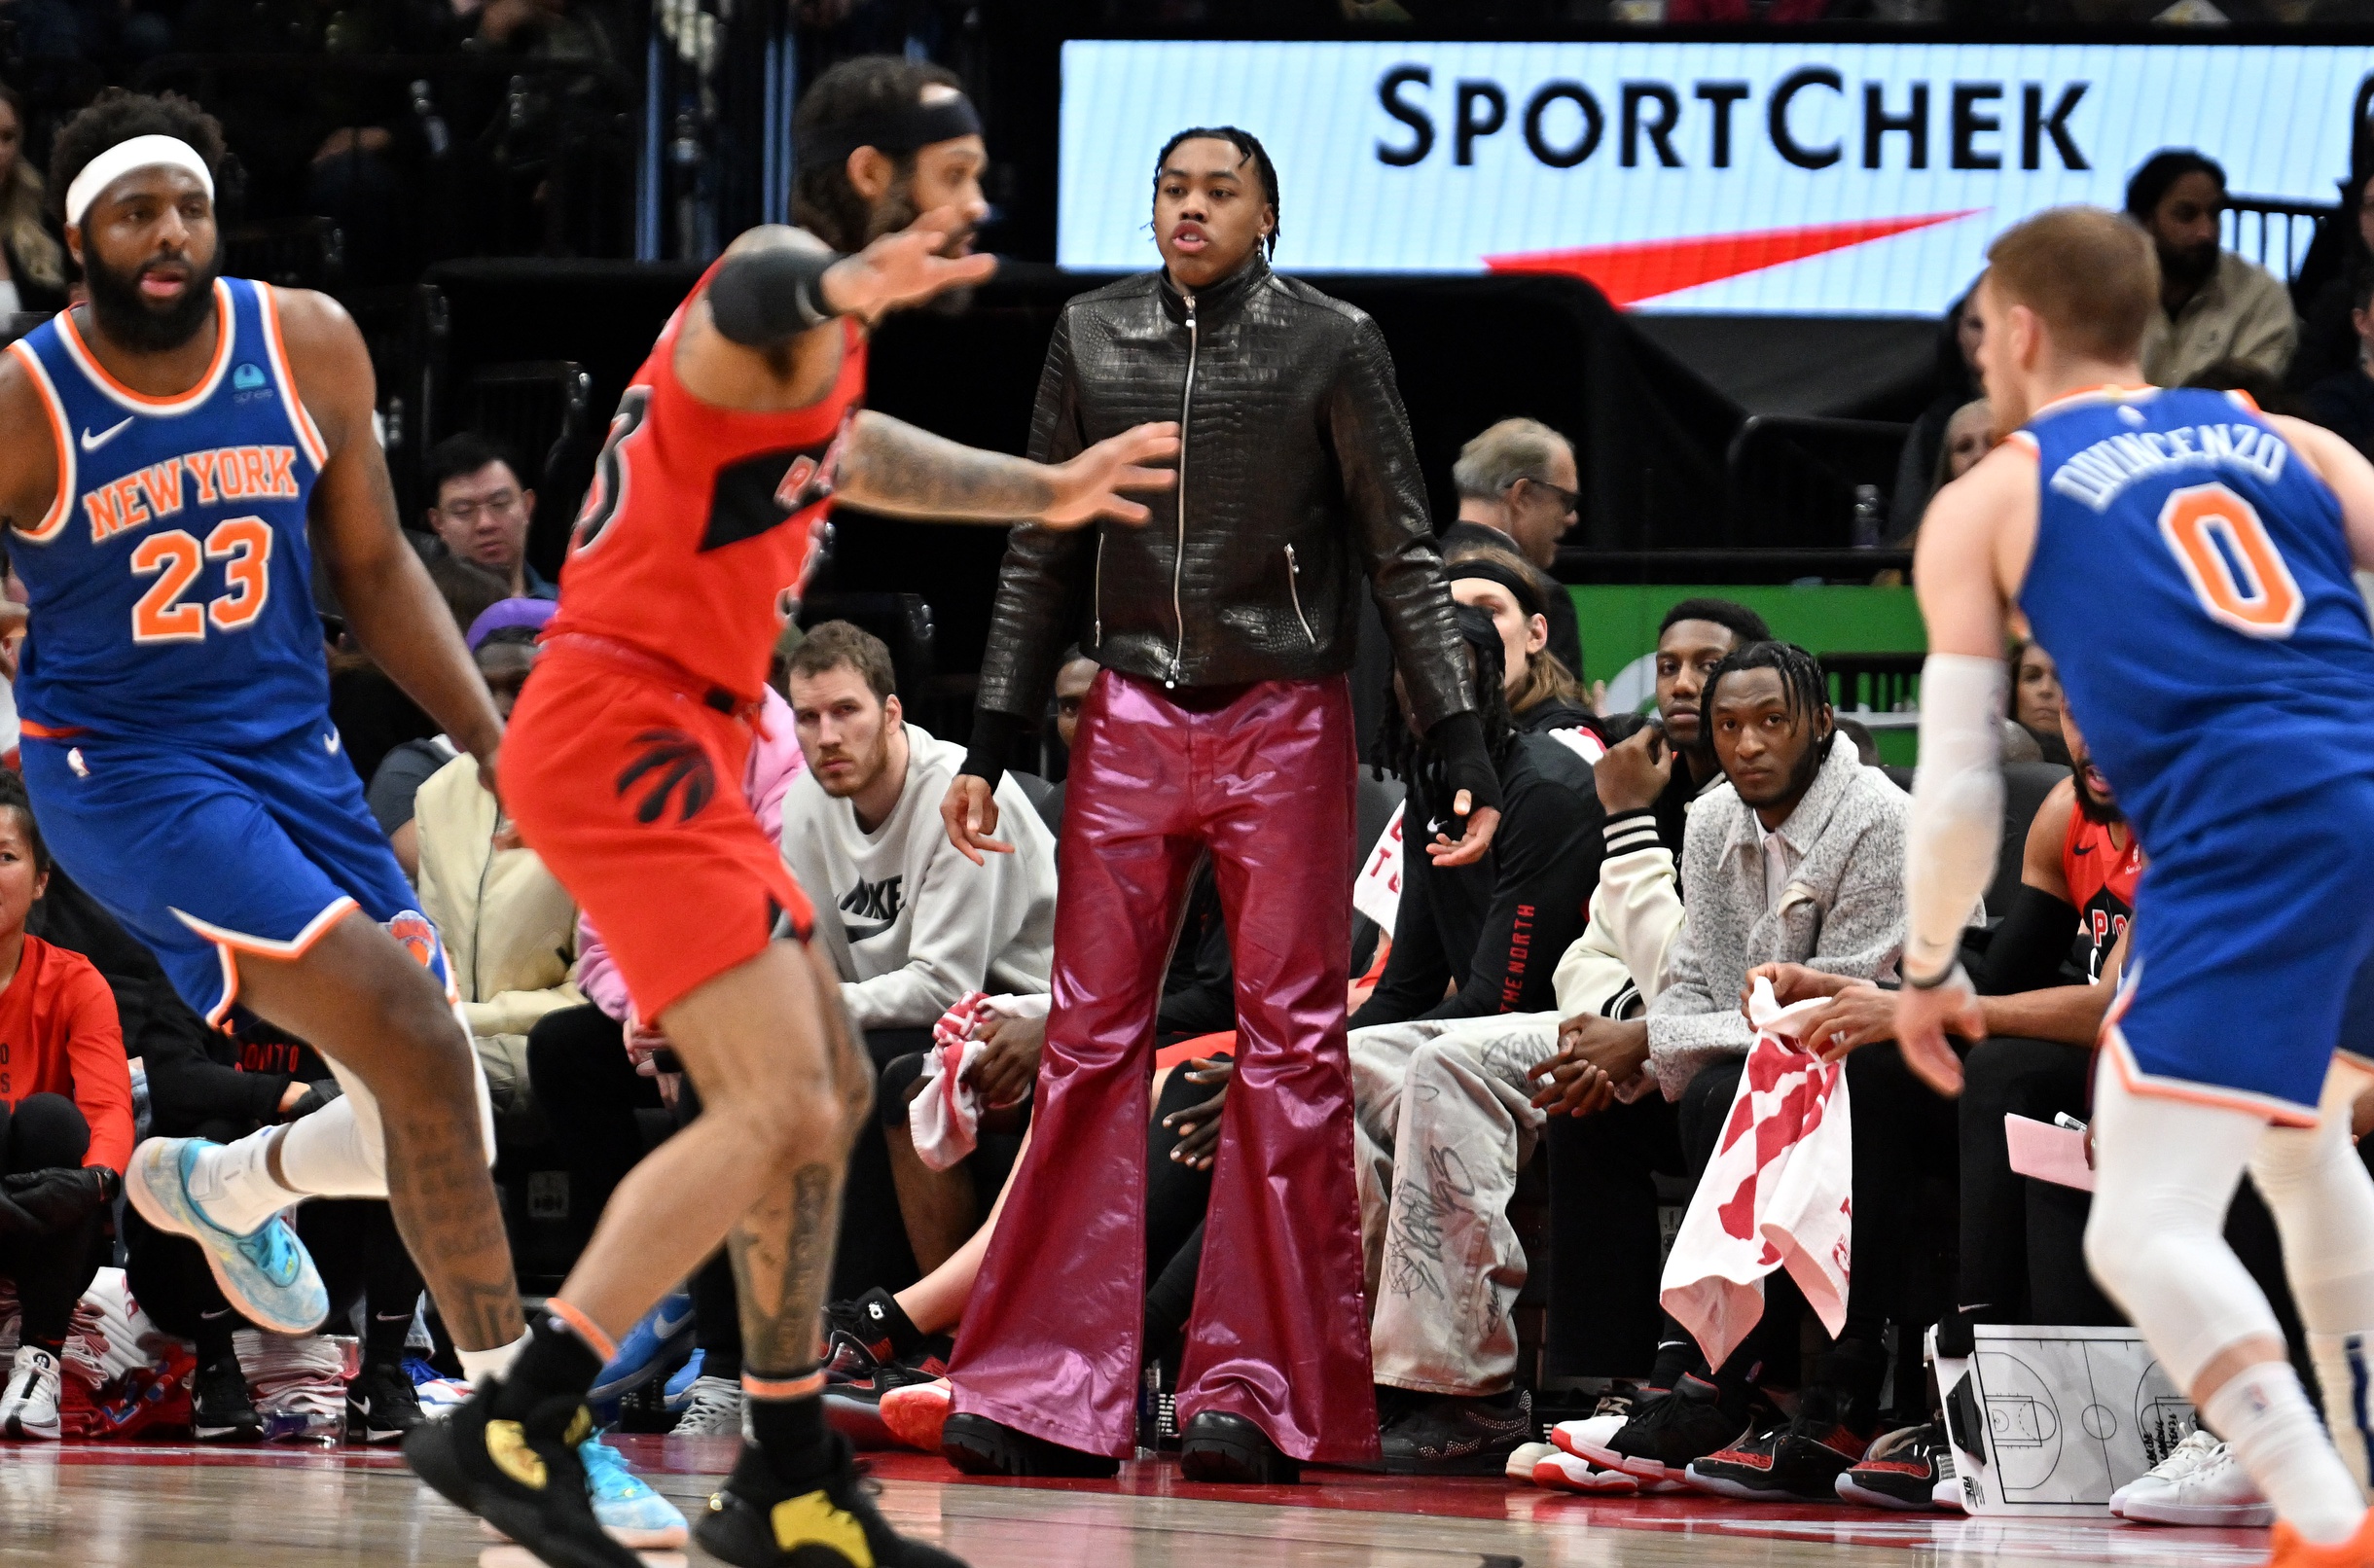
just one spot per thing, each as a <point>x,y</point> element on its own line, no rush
<point>865,933</point>
<point>91,442</point>
<point>2081,849</point>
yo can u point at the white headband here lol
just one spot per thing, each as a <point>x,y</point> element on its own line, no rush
<point>140,153</point>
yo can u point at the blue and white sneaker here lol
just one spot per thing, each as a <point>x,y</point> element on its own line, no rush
<point>679,1392</point>
<point>645,1352</point>
<point>267,1275</point>
<point>630,1513</point>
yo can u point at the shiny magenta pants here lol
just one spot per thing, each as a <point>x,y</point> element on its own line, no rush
<point>1263,776</point>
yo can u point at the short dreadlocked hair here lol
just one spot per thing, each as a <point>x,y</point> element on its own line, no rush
<point>118,115</point>
<point>1804,688</point>
<point>1248,146</point>
<point>1403,754</point>
<point>823,202</point>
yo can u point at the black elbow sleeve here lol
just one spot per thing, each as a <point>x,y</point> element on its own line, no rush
<point>761,298</point>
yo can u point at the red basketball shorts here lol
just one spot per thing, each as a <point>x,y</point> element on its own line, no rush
<point>629,785</point>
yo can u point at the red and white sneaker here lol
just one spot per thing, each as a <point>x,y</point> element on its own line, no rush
<point>915,1413</point>
<point>1565,1473</point>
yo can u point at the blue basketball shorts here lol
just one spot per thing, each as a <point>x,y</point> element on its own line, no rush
<point>206,855</point>
<point>2251,960</point>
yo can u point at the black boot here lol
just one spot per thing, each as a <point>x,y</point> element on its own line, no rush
<point>1231,1450</point>
<point>980,1447</point>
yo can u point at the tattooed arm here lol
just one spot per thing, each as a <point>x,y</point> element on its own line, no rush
<point>892,467</point>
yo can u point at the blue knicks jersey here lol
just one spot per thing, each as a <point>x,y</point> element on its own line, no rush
<point>2192,581</point>
<point>169,581</point>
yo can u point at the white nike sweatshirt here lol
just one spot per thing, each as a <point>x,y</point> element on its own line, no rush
<point>911,924</point>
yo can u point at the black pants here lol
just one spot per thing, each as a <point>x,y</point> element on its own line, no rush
<point>2022,1240</point>
<point>361,1258</point>
<point>579,1072</point>
<point>873,1248</point>
<point>1603,1316</point>
<point>51,1270</point>
<point>1903,1145</point>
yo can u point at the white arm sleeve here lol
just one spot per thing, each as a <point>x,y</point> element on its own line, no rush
<point>1957,821</point>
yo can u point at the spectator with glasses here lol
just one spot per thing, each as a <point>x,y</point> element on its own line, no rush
<point>482,511</point>
<point>1517,483</point>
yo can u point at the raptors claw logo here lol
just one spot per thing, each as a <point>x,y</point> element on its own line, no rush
<point>686,763</point>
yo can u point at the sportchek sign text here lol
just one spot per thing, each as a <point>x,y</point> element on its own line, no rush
<point>1799,177</point>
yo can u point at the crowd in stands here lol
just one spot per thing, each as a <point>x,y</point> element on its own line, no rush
<point>1567,1008</point>
<point>2302,346</point>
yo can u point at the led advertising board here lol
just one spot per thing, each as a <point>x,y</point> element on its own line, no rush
<point>1809,178</point>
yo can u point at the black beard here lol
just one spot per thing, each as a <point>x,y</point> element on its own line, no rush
<point>2192,266</point>
<point>2102,812</point>
<point>129,320</point>
<point>895,212</point>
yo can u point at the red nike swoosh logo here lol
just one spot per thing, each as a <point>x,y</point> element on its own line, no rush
<point>1647,268</point>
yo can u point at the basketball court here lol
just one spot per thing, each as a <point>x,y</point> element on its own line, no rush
<point>105,1506</point>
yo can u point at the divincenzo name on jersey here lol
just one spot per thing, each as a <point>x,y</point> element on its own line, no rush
<point>2096,475</point>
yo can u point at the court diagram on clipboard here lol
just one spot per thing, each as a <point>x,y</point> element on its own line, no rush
<point>2065,1416</point>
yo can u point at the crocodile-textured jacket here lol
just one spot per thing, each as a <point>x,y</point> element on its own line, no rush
<point>1296,479</point>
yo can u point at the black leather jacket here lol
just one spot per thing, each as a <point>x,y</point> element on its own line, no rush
<point>1297,477</point>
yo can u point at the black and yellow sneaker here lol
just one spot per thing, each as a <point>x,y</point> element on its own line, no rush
<point>525,1478</point>
<point>758,1521</point>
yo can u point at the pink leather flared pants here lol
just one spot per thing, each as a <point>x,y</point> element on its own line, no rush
<point>1263,776</point>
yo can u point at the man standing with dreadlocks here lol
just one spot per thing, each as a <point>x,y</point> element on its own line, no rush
<point>1220,723</point>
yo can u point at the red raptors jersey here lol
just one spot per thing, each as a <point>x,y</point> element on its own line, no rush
<point>700,522</point>
<point>2101,878</point>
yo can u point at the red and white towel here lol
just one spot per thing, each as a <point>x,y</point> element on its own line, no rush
<point>1776,1194</point>
<point>945,1119</point>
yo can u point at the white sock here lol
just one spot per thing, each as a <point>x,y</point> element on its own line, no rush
<point>2263,1412</point>
<point>233,1186</point>
<point>476,1365</point>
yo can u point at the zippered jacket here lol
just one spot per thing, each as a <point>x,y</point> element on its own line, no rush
<point>1297,478</point>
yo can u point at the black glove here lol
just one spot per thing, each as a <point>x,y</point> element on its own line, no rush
<point>318,1093</point>
<point>1466,765</point>
<point>56,1199</point>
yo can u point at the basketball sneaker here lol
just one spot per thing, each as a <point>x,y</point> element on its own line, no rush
<point>1458,1435</point>
<point>266,1273</point>
<point>917,1416</point>
<point>2199,1483</point>
<point>221,1409</point>
<point>1798,1461</point>
<point>759,1520</point>
<point>1524,1457</point>
<point>624,1506</point>
<point>648,1350</point>
<point>28,1409</point>
<point>525,1478</point>
<point>712,1408</point>
<point>382,1404</point>
<point>677,1394</point>
<point>1664,1432</point>
<point>1562,1471</point>
<point>1903,1469</point>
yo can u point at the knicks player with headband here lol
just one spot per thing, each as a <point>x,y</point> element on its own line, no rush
<point>728,448</point>
<point>171,441</point>
<point>2227,708</point>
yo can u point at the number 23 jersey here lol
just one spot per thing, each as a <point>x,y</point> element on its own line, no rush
<point>2192,581</point>
<point>169,581</point>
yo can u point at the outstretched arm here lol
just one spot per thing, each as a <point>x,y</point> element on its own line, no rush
<point>391,606</point>
<point>1956,817</point>
<point>891,466</point>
